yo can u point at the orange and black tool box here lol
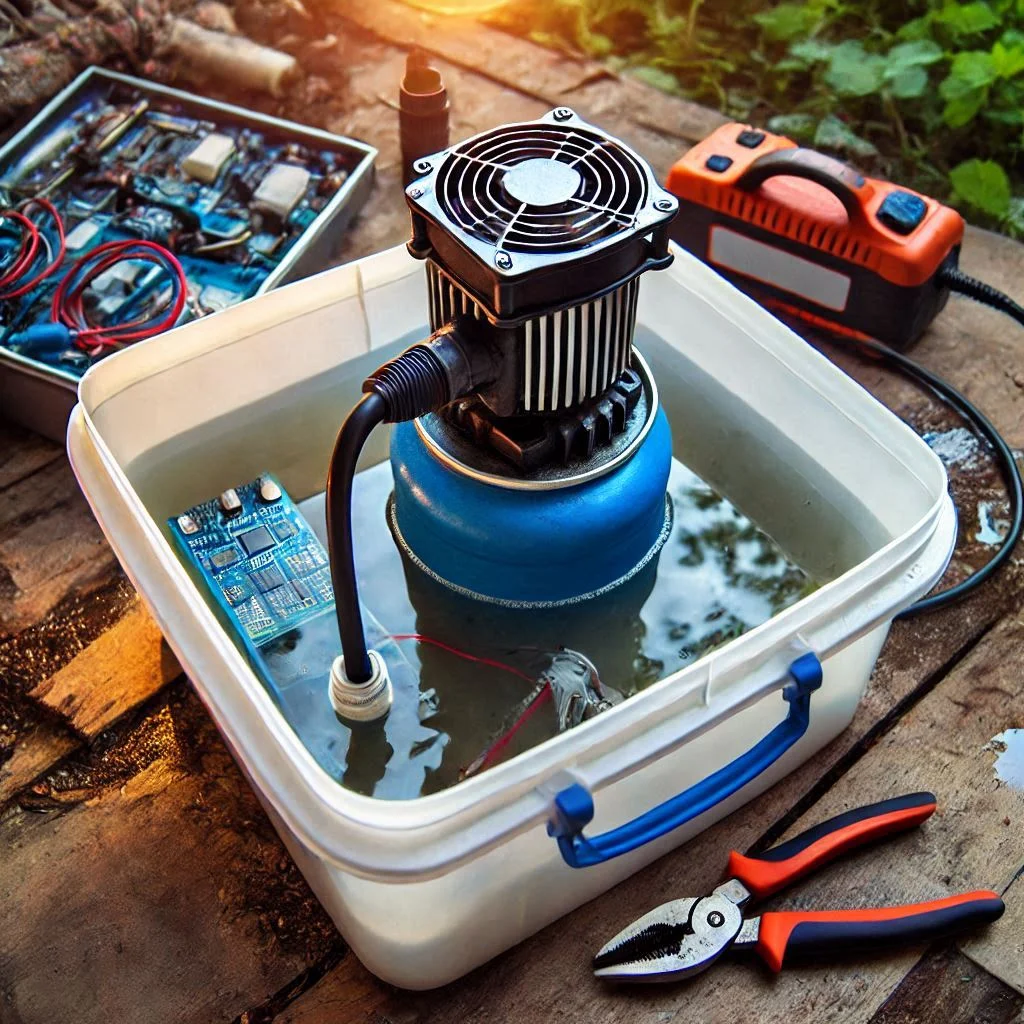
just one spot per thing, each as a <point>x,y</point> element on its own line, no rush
<point>807,234</point>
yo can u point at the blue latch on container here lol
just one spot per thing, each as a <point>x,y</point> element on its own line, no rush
<point>574,805</point>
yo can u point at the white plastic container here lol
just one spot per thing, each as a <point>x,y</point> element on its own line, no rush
<point>424,890</point>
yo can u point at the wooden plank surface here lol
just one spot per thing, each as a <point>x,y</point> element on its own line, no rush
<point>139,871</point>
<point>1000,951</point>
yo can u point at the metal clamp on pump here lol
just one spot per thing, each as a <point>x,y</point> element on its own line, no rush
<point>574,806</point>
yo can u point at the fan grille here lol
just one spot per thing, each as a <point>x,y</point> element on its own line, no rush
<point>493,188</point>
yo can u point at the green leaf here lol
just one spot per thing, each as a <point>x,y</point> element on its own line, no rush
<point>984,185</point>
<point>918,28</point>
<point>834,134</point>
<point>919,53</point>
<point>787,21</point>
<point>812,51</point>
<point>1007,118</point>
<point>798,127</point>
<point>657,77</point>
<point>908,83</point>
<point>975,68</point>
<point>963,101</point>
<point>854,72</point>
<point>1007,61</point>
<point>967,19</point>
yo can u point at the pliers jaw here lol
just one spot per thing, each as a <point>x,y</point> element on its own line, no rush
<point>677,939</point>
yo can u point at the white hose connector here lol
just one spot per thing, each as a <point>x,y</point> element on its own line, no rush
<point>361,702</point>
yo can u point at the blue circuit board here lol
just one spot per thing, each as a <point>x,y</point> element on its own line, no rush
<point>228,199</point>
<point>264,564</point>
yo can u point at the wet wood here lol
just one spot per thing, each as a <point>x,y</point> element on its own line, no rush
<point>149,883</point>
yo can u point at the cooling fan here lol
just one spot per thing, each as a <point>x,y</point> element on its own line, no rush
<point>539,196</point>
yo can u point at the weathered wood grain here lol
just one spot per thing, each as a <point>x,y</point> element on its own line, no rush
<point>32,736</point>
<point>50,546</point>
<point>947,987</point>
<point>162,894</point>
<point>22,453</point>
<point>119,670</point>
<point>34,750</point>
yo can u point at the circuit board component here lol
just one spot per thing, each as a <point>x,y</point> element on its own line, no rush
<point>226,193</point>
<point>258,555</point>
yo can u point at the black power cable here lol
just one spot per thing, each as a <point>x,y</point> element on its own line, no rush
<point>957,281</point>
<point>423,378</point>
<point>969,412</point>
<point>358,426</point>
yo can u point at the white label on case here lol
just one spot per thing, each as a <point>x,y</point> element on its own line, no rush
<point>780,269</point>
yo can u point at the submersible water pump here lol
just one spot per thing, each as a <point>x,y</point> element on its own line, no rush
<point>530,455</point>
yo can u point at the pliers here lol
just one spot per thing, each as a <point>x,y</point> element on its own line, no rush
<point>685,937</point>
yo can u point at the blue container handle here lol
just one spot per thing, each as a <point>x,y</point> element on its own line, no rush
<point>574,806</point>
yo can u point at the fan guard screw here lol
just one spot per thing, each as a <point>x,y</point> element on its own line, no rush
<point>502,260</point>
<point>664,205</point>
<point>415,192</point>
<point>562,114</point>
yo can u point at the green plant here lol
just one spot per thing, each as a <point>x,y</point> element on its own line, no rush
<point>929,92</point>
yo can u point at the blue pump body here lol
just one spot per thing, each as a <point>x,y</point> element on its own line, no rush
<point>530,547</point>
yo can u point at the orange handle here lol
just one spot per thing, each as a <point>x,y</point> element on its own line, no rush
<point>768,872</point>
<point>822,933</point>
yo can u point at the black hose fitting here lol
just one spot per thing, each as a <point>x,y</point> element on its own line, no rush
<point>430,374</point>
<point>412,384</point>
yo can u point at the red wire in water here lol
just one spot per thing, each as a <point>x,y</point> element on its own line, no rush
<point>55,260</point>
<point>420,638</point>
<point>491,754</point>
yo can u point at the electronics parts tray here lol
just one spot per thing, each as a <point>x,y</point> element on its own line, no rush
<point>426,889</point>
<point>40,395</point>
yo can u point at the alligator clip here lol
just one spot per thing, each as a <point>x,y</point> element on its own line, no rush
<point>685,937</point>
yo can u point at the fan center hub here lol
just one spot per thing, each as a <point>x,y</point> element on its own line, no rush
<point>542,182</point>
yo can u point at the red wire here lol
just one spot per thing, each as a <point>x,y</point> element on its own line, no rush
<point>420,638</point>
<point>66,306</point>
<point>26,251</point>
<point>491,753</point>
<point>55,262</point>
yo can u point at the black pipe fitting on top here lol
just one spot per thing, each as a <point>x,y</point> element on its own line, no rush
<point>422,113</point>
